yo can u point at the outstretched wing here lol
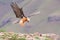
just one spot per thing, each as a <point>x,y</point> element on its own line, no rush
<point>18,11</point>
<point>35,13</point>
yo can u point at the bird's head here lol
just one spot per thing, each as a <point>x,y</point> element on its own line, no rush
<point>28,19</point>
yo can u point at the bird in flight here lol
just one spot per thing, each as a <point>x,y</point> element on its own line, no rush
<point>20,14</point>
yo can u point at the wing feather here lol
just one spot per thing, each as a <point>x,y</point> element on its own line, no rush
<point>34,14</point>
<point>18,11</point>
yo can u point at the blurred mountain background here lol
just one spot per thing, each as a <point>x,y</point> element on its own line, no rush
<point>38,23</point>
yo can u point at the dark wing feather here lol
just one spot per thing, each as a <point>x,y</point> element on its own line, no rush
<point>18,11</point>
